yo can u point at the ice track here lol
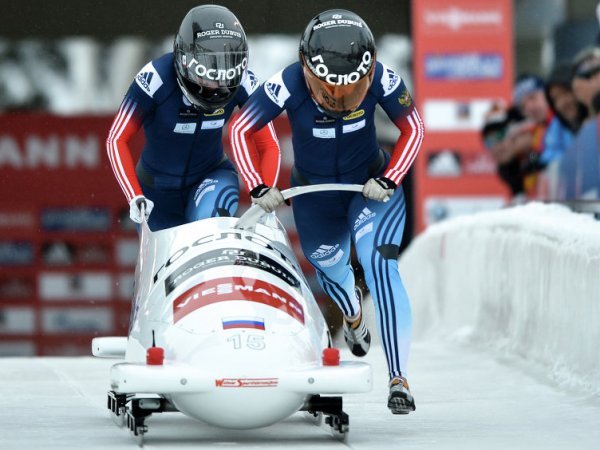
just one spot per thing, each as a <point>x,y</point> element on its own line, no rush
<point>465,399</point>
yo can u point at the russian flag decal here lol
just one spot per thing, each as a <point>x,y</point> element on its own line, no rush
<point>255,323</point>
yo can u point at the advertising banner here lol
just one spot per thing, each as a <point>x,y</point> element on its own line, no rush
<point>463,64</point>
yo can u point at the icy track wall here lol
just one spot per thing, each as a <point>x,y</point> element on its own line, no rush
<point>523,281</point>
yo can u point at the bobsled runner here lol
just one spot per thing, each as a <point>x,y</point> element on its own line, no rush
<point>225,329</point>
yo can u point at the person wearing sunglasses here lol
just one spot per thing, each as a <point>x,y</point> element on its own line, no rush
<point>580,167</point>
<point>182,100</point>
<point>330,96</point>
<point>586,77</point>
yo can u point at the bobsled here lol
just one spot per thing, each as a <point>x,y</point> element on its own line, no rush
<point>225,329</point>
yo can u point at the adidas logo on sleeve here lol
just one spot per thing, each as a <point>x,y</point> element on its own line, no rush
<point>276,90</point>
<point>148,79</point>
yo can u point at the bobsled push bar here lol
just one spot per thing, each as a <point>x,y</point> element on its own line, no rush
<point>250,217</point>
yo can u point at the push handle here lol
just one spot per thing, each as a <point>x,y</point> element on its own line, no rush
<point>255,212</point>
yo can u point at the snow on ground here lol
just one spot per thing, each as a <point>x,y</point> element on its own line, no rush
<point>465,399</point>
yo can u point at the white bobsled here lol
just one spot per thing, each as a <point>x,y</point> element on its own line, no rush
<point>225,329</point>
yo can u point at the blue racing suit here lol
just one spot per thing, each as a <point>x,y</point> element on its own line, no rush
<point>182,168</point>
<point>344,150</point>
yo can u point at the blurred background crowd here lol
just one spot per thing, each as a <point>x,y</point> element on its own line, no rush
<point>546,142</point>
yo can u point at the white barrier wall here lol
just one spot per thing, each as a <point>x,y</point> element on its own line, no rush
<point>524,281</point>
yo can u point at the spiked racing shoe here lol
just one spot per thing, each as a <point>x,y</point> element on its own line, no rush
<point>356,334</point>
<point>400,400</point>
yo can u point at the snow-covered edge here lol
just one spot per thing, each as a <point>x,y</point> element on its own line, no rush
<point>524,282</point>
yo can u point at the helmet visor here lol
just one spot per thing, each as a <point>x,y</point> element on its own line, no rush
<point>213,70</point>
<point>339,100</point>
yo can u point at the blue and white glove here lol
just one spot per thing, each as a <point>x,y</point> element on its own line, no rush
<point>268,198</point>
<point>379,189</point>
<point>135,208</point>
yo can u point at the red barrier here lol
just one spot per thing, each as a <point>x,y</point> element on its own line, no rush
<point>67,246</point>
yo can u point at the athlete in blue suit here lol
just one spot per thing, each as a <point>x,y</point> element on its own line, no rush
<point>330,98</point>
<point>183,100</point>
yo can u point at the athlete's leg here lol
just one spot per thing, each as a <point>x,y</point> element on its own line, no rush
<point>217,195</point>
<point>325,240</point>
<point>377,231</point>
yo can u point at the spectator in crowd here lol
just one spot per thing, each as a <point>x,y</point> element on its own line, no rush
<point>586,77</point>
<point>568,114</point>
<point>580,168</point>
<point>516,137</point>
<point>500,131</point>
<point>527,139</point>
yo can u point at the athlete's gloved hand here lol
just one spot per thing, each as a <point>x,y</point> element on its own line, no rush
<point>380,189</point>
<point>268,198</point>
<point>135,208</point>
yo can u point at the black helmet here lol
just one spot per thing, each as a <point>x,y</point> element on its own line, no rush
<point>337,52</point>
<point>211,56</point>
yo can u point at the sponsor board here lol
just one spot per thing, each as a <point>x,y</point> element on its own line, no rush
<point>52,152</point>
<point>469,66</point>
<point>456,115</point>
<point>60,286</point>
<point>444,163</point>
<point>463,62</point>
<point>77,320</point>
<point>17,348</point>
<point>66,253</point>
<point>464,17</point>
<point>16,253</point>
<point>479,164</point>
<point>17,220</point>
<point>17,288</point>
<point>75,219</point>
<point>126,252</point>
<point>124,286</point>
<point>17,320</point>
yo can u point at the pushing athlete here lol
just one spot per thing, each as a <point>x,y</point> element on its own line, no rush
<point>183,100</point>
<point>330,97</point>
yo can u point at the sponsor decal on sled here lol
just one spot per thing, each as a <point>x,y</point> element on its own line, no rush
<point>246,382</point>
<point>236,288</point>
<point>228,257</point>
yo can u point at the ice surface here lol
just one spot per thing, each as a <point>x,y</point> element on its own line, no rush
<point>465,400</point>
